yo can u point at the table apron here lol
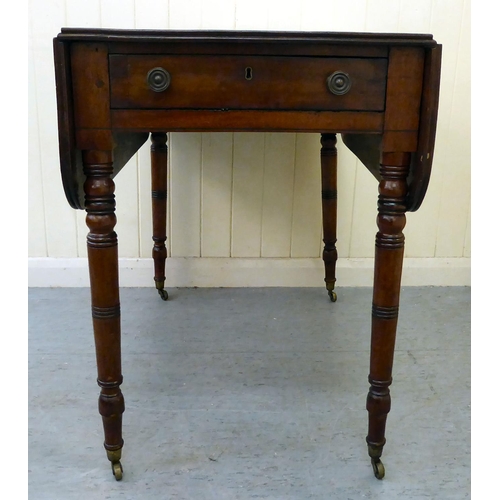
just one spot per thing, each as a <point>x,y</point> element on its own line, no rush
<point>179,120</point>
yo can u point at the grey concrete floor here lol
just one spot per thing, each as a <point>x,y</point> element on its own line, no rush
<point>250,394</point>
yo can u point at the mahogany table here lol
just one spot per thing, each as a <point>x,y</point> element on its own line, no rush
<point>115,87</point>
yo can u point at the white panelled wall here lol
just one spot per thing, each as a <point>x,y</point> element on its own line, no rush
<point>245,208</point>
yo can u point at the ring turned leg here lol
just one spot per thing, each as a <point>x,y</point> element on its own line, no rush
<point>329,205</point>
<point>159,202</point>
<point>389,249</point>
<point>102,245</point>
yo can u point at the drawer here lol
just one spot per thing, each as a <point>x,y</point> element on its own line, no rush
<point>247,82</point>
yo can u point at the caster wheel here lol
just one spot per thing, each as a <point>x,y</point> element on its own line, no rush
<point>117,469</point>
<point>163,294</point>
<point>333,296</point>
<point>378,468</point>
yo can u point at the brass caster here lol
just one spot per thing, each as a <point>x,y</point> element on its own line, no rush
<point>163,294</point>
<point>117,469</point>
<point>330,285</point>
<point>378,468</point>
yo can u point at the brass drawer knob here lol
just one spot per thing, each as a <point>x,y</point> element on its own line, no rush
<point>158,79</point>
<point>339,83</point>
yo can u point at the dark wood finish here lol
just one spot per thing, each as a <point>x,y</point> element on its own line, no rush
<point>367,147</point>
<point>102,247</point>
<point>404,89</point>
<point>106,109</point>
<point>159,203</point>
<point>329,207</point>
<point>269,48</point>
<point>73,140</point>
<point>421,166</point>
<point>389,250</point>
<point>89,70</point>
<point>248,121</point>
<point>313,40</point>
<point>69,157</point>
<point>221,82</point>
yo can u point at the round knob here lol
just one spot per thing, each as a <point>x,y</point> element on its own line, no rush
<point>158,79</point>
<point>339,83</point>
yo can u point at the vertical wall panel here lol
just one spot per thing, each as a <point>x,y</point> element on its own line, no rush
<point>81,233</point>
<point>45,21</point>
<point>218,14</point>
<point>37,243</point>
<point>151,14</point>
<point>117,14</point>
<point>283,16</point>
<point>467,238</point>
<point>306,209</point>
<point>455,196</point>
<point>185,194</point>
<point>318,15</point>
<point>217,180</point>
<point>127,209</point>
<point>248,179</point>
<point>346,16</point>
<point>364,214</point>
<point>85,14</point>
<point>145,208</point>
<point>384,20</point>
<point>415,16</point>
<point>446,22</point>
<point>347,167</point>
<point>279,160</point>
<point>185,15</point>
<point>251,15</point>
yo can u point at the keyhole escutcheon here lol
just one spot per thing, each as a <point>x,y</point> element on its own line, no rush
<point>248,73</point>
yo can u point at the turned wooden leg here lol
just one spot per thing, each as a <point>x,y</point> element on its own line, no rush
<point>329,204</point>
<point>102,245</point>
<point>389,249</point>
<point>159,202</point>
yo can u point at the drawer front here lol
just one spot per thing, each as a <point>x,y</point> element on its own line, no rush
<point>247,82</point>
